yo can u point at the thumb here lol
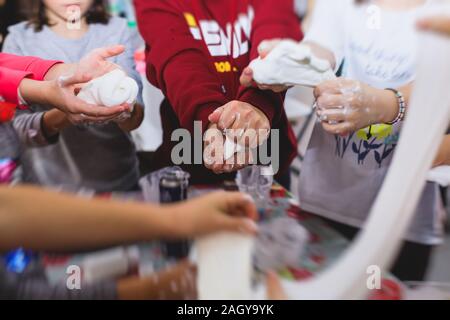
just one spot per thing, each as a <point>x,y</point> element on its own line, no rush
<point>240,225</point>
<point>264,54</point>
<point>215,116</point>
<point>437,24</point>
<point>66,81</point>
<point>246,78</point>
<point>110,51</point>
<point>266,46</point>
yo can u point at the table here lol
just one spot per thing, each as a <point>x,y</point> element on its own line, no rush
<point>324,247</point>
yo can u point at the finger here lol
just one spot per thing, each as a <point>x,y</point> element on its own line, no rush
<point>208,163</point>
<point>108,67</point>
<point>109,52</point>
<point>218,168</point>
<point>275,88</point>
<point>229,116</point>
<point>214,141</point>
<point>97,111</point>
<point>331,101</point>
<point>343,128</point>
<point>333,115</point>
<point>237,162</point>
<point>126,112</point>
<point>99,120</point>
<point>243,159</point>
<point>440,24</point>
<point>67,81</point>
<point>239,223</point>
<point>212,134</point>
<point>267,46</point>
<point>213,157</point>
<point>279,88</point>
<point>330,87</point>
<point>274,288</point>
<point>251,130</point>
<point>176,282</point>
<point>230,168</point>
<point>257,135</point>
<point>249,139</point>
<point>243,225</point>
<point>240,204</point>
<point>247,77</point>
<point>81,119</point>
<point>264,53</point>
<point>244,118</point>
<point>262,134</point>
<point>215,116</point>
<point>76,119</point>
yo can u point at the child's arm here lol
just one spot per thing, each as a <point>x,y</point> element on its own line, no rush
<point>325,37</point>
<point>46,221</point>
<point>177,61</point>
<point>39,129</point>
<point>364,105</point>
<point>160,286</point>
<point>443,156</point>
<point>58,91</point>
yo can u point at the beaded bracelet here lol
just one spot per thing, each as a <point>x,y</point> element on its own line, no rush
<point>401,104</point>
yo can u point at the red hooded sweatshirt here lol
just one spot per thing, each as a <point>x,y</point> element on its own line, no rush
<point>196,52</point>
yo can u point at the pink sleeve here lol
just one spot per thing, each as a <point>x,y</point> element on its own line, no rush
<point>37,67</point>
<point>13,69</point>
<point>9,83</point>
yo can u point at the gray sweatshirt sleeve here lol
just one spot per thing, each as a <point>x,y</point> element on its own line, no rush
<point>28,125</point>
<point>17,287</point>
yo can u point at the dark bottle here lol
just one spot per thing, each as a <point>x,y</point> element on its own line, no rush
<point>173,187</point>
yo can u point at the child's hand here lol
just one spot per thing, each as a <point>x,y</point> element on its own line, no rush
<point>61,94</point>
<point>221,211</point>
<point>95,63</point>
<point>214,158</point>
<point>274,288</point>
<point>243,123</point>
<point>345,106</point>
<point>247,75</point>
<point>130,121</point>
<point>175,283</point>
<point>248,81</point>
<point>440,24</point>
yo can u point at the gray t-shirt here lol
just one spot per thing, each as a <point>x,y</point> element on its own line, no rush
<point>102,158</point>
<point>341,176</point>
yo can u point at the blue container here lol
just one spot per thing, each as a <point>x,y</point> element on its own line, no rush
<point>18,260</point>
